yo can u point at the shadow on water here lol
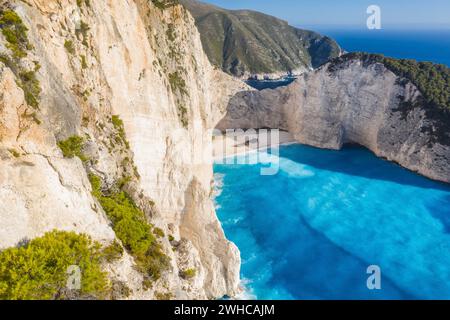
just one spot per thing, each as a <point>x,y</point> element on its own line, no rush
<point>440,209</point>
<point>328,269</point>
<point>358,161</point>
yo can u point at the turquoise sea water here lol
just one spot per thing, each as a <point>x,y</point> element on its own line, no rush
<point>311,231</point>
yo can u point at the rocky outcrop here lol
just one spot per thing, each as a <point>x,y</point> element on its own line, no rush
<point>144,63</point>
<point>352,102</point>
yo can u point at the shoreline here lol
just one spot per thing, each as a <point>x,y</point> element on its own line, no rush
<point>225,147</point>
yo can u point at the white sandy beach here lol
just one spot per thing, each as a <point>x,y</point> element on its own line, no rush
<point>241,143</point>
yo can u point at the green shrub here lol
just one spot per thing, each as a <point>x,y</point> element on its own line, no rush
<point>135,233</point>
<point>122,182</point>
<point>31,87</point>
<point>84,64</point>
<point>164,296</point>
<point>83,31</point>
<point>132,229</point>
<point>433,80</point>
<point>96,184</point>
<point>120,290</point>
<point>163,4</point>
<point>27,80</point>
<point>72,147</point>
<point>147,283</point>
<point>81,2</point>
<point>14,152</point>
<point>158,232</point>
<point>117,122</point>
<point>177,83</point>
<point>38,270</point>
<point>170,33</point>
<point>182,114</point>
<point>188,274</point>
<point>15,33</point>
<point>113,252</point>
<point>120,137</point>
<point>68,44</point>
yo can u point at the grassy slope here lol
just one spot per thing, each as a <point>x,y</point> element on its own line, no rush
<point>247,41</point>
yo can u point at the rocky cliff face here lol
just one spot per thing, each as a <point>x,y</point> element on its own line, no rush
<point>140,60</point>
<point>350,102</point>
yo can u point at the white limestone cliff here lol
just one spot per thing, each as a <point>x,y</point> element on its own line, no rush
<point>352,102</point>
<point>145,64</point>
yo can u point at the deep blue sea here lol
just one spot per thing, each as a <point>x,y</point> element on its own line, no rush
<point>311,231</point>
<point>421,45</point>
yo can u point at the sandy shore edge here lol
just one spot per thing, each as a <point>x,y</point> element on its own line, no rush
<point>231,146</point>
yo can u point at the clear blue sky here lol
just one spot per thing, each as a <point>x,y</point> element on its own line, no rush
<point>395,13</point>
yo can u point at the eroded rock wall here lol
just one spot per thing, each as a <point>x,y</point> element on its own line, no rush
<point>350,103</point>
<point>145,64</point>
